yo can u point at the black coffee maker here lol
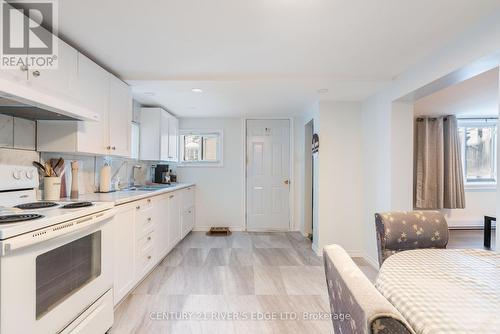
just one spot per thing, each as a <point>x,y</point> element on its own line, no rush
<point>160,172</point>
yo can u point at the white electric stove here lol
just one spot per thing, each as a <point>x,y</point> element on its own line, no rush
<point>55,260</point>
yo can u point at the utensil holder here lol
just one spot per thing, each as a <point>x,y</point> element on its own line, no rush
<point>51,188</point>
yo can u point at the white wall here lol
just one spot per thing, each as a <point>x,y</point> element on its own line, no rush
<point>219,190</point>
<point>340,176</point>
<point>311,114</point>
<point>378,123</point>
<point>477,205</point>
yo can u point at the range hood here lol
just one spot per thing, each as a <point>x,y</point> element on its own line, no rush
<point>43,107</point>
<point>23,110</point>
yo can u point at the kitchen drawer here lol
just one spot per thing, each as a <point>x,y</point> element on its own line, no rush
<point>144,263</point>
<point>145,249</point>
<point>145,244</point>
<point>144,204</point>
<point>144,223</point>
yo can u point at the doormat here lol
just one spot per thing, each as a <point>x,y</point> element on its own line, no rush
<point>219,232</point>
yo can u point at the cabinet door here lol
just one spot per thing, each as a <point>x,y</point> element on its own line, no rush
<point>164,136</point>
<point>24,134</point>
<point>17,75</point>
<point>6,131</point>
<point>160,207</point>
<point>123,255</point>
<point>120,117</point>
<point>174,220</point>
<point>60,81</point>
<point>150,134</point>
<point>187,221</point>
<point>93,86</point>
<point>173,139</point>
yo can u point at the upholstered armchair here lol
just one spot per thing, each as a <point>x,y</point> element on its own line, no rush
<point>356,306</point>
<point>400,231</point>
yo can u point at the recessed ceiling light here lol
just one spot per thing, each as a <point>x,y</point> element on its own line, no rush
<point>323,91</point>
<point>197,90</point>
<point>149,93</point>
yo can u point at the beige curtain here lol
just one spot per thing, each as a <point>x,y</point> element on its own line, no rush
<point>439,179</point>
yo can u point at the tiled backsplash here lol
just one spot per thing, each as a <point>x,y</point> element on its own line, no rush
<point>89,167</point>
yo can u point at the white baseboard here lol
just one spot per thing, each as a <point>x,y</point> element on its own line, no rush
<point>371,261</point>
<point>316,250</point>
<point>467,224</point>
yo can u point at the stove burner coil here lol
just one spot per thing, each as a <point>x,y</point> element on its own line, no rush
<point>18,218</point>
<point>36,205</point>
<point>76,205</point>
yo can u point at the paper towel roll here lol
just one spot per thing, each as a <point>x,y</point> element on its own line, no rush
<point>105,184</point>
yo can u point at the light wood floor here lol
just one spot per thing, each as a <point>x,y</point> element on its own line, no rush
<point>243,275</point>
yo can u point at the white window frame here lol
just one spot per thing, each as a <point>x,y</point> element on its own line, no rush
<point>202,132</point>
<point>479,122</point>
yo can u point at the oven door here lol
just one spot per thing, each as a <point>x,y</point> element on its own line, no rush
<point>45,286</point>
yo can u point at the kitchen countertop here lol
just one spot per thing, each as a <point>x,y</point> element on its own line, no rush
<point>125,196</point>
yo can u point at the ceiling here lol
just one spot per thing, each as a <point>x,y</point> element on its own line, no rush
<point>478,96</point>
<point>261,57</point>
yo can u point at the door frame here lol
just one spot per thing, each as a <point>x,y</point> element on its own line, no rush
<point>291,194</point>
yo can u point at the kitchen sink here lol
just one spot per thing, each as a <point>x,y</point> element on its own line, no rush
<point>148,188</point>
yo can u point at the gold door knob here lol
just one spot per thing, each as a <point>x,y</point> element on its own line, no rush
<point>286,182</point>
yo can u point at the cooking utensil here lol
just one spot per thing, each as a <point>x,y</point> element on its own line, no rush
<point>48,169</point>
<point>56,165</point>
<point>41,168</point>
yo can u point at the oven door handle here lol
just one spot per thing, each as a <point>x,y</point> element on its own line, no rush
<point>65,230</point>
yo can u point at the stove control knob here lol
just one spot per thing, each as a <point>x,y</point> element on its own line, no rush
<point>17,174</point>
<point>29,174</point>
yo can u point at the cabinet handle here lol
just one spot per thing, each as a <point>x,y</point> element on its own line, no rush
<point>149,219</point>
<point>149,200</point>
<point>113,148</point>
<point>23,68</point>
<point>149,257</point>
<point>149,238</point>
<point>138,207</point>
<point>108,147</point>
<point>36,73</point>
<point>171,196</point>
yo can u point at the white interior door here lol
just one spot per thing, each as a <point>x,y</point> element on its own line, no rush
<point>268,175</point>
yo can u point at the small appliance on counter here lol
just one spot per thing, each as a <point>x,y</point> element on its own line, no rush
<point>105,179</point>
<point>161,174</point>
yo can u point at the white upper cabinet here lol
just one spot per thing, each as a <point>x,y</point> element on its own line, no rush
<point>150,134</point>
<point>93,92</point>
<point>159,135</point>
<point>92,85</point>
<point>120,117</point>
<point>107,96</point>
<point>61,81</point>
<point>173,139</point>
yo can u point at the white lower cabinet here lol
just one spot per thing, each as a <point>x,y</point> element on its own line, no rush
<point>187,211</point>
<point>123,251</point>
<point>145,231</point>
<point>161,216</point>
<point>174,219</point>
